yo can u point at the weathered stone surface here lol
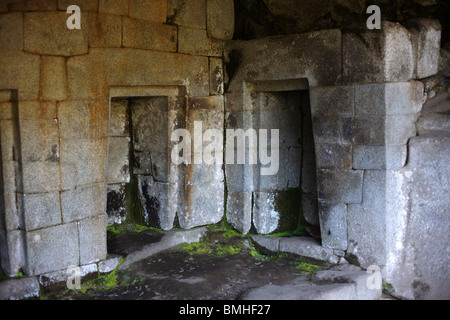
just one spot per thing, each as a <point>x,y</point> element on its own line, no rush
<point>18,289</point>
<point>116,204</point>
<point>105,30</point>
<point>52,249</point>
<point>371,56</point>
<point>389,98</point>
<point>83,162</point>
<point>36,110</point>
<point>41,210</point>
<point>216,76</point>
<point>144,34</point>
<point>193,15</point>
<point>91,75</point>
<point>12,251</point>
<point>8,140</point>
<point>154,10</point>
<point>109,264</point>
<point>427,184</point>
<point>204,205</point>
<point>333,156</point>
<point>20,68</point>
<point>426,40</point>
<point>113,6</point>
<point>378,130</point>
<point>32,5</point>
<point>92,239</point>
<point>39,140</point>
<point>11,31</point>
<point>119,118</point>
<point>196,42</point>
<point>239,210</point>
<point>327,129</point>
<point>307,247</point>
<point>366,222</point>
<point>85,5</point>
<point>47,33</point>
<point>340,185</point>
<point>379,157</point>
<point>305,54</point>
<point>83,202</point>
<point>118,160</point>
<point>333,225</point>
<point>220,19</point>
<point>336,100</point>
<point>83,119</point>
<point>53,78</point>
<point>40,176</point>
<point>158,212</point>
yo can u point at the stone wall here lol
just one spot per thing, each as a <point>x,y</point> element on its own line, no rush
<point>365,102</point>
<point>56,89</point>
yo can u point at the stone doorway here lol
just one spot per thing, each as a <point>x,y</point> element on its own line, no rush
<point>143,186</point>
<point>287,200</point>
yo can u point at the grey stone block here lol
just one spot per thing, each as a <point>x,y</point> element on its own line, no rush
<point>327,129</point>
<point>307,247</point>
<point>92,239</point>
<point>51,249</point>
<point>83,162</point>
<point>204,205</point>
<point>276,210</point>
<point>389,98</point>
<point>426,40</point>
<point>379,157</point>
<point>83,202</point>
<point>310,208</point>
<point>144,34</point>
<point>161,201</point>
<point>18,289</point>
<point>11,33</point>
<point>366,222</point>
<point>239,210</point>
<point>371,56</point>
<point>116,204</point>
<point>333,156</point>
<point>119,120</point>
<point>333,225</point>
<point>118,162</point>
<point>378,130</point>
<point>12,251</point>
<point>39,140</point>
<point>196,42</point>
<point>216,76</point>
<point>305,54</point>
<point>336,100</point>
<point>220,19</point>
<point>340,185</point>
<point>192,15</point>
<point>265,217</point>
<point>53,78</point>
<point>39,177</point>
<point>46,33</point>
<point>83,119</point>
<point>41,210</point>
<point>17,66</point>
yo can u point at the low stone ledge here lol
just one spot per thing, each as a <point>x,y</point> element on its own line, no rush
<point>302,246</point>
<point>19,289</point>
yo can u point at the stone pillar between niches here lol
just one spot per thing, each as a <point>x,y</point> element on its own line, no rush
<point>12,250</point>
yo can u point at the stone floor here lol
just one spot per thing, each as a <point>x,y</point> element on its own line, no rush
<point>205,264</point>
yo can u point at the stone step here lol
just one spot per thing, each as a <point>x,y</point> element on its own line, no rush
<point>345,282</point>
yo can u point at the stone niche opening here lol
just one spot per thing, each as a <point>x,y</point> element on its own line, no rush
<point>287,200</point>
<point>142,185</point>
